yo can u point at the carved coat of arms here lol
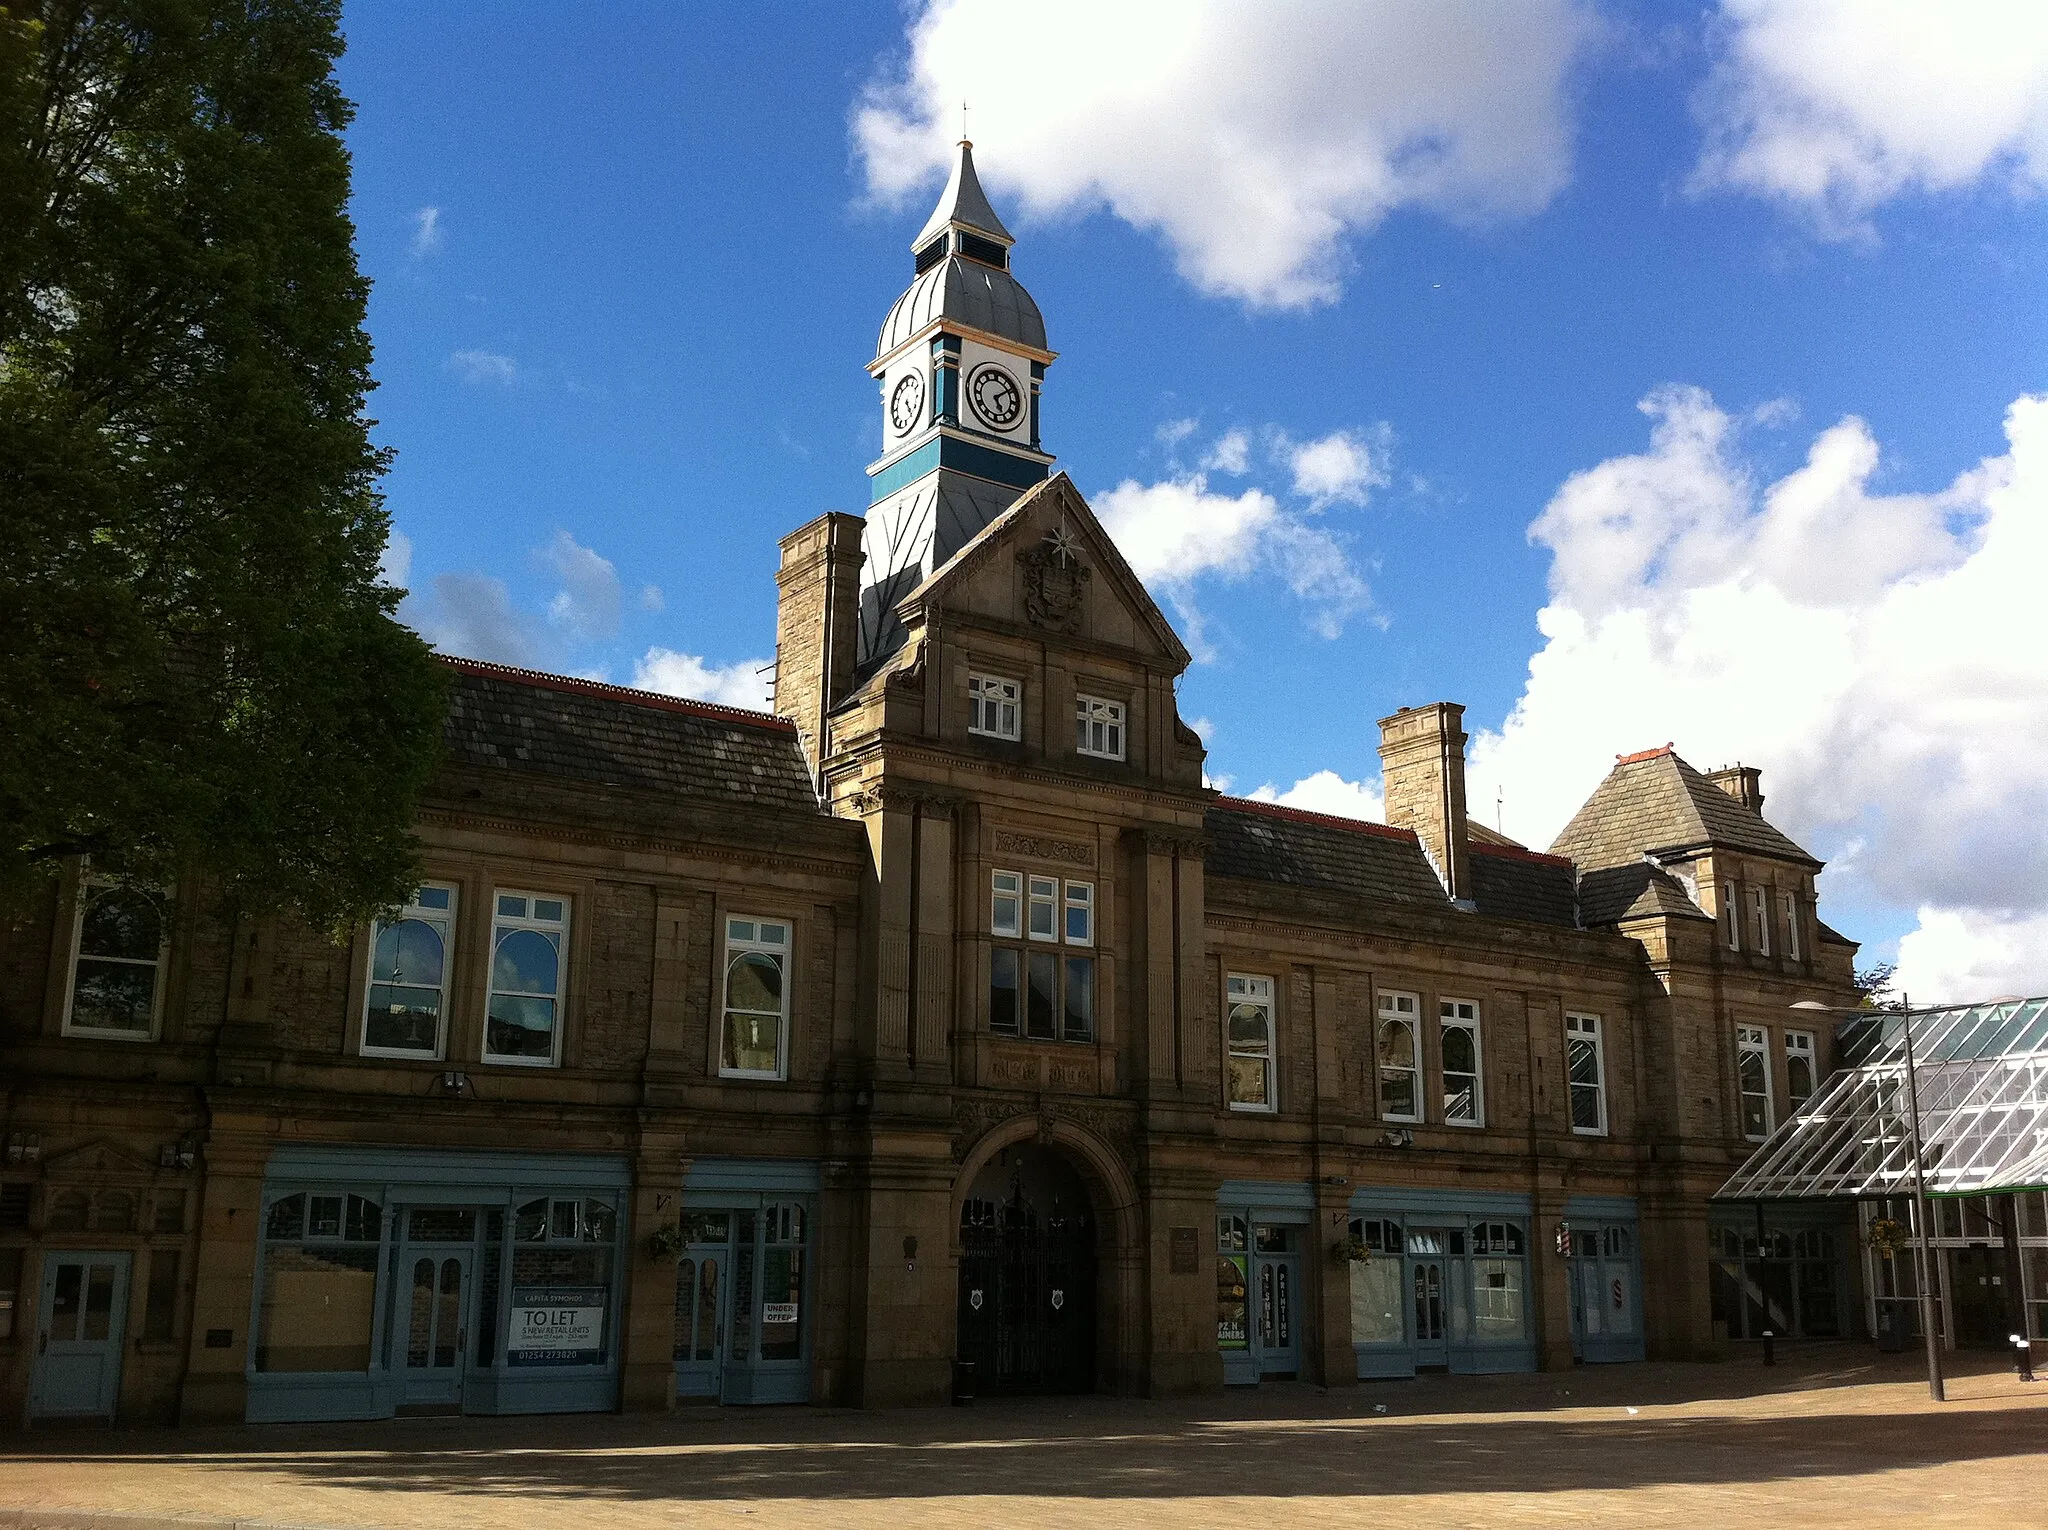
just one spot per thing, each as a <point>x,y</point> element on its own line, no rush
<point>1054,580</point>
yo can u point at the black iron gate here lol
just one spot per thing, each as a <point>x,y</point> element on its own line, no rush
<point>1027,1297</point>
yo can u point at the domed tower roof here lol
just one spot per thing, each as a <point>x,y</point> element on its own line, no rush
<point>963,271</point>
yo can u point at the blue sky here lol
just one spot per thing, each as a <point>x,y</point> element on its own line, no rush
<point>1356,308</point>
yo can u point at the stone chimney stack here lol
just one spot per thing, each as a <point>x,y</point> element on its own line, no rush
<point>1742,782</point>
<point>1422,763</point>
<point>817,623</point>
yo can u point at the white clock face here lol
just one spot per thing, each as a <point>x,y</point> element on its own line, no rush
<point>906,402</point>
<point>995,396</point>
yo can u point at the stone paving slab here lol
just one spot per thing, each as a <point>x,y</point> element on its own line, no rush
<point>1833,1436</point>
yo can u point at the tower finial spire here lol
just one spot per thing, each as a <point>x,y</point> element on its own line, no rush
<point>964,203</point>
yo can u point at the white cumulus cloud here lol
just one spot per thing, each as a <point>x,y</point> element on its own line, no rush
<point>744,684</point>
<point>1878,654</point>
<point>1328,792</point>
<point>1338,467</point>
<point>474,617</point>
<point>1836,106</point>
<point>1253,138</point>
<point>587,606</point>
<point>1177,532</point>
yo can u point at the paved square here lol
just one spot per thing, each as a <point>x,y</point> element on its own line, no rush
<point>1833,1436</point>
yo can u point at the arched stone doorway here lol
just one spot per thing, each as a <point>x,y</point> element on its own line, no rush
<point>1028,1306</point>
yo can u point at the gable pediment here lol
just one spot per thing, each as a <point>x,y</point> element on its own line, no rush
<point>97,1160</point>
<point>1046,565</point>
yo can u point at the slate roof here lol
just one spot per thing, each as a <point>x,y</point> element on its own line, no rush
<point>500,718</point>
<point>1509,882</point>
<point>1611,894</point>
<point>1264,842</point>
<point>1655,802</point>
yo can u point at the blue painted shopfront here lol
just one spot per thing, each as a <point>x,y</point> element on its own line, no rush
<point>1444,1284</point>
<point>1604,1278</point>
<point>1263,1230</point>
<point>409,1280</point>
<point>745,1293</point>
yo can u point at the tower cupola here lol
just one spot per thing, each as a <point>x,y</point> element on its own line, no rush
<point>961,359</point>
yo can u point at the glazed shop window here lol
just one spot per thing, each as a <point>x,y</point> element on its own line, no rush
<point>118,944</point>
<point>408,991</point>
<point>1232,1309</point>
<point>1251,1042</point>
<point>1753,1073</point>
<point>563,1249</point>
<point>756,1032</point>
<point>1799,1069</point>
<point>994,707</point>
<point>1585,1065</point>
<point>1498,1278</point>
<point>1376,1297</point>
<point>1400,1058</point>
<point>1458,1044</point>
<point>1043,995</point>
<point>1099,727</point>
<point>317,1298</point>
<point>529,952</point>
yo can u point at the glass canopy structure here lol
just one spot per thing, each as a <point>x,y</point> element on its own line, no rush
<point>1982,1090</point>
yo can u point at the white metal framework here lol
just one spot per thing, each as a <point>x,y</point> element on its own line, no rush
<point>1982,1077</point>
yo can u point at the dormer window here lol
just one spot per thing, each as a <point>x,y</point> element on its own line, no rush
<point>994,707</point>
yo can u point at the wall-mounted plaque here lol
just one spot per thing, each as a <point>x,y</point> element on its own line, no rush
<point>1186,1248</point>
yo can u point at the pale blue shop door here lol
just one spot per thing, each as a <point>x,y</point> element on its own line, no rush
<point>78,1335</point>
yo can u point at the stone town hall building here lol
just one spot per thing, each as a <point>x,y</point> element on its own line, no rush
<point>943,1015</point>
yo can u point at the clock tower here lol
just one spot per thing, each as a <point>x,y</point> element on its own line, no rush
<point>960,361</point>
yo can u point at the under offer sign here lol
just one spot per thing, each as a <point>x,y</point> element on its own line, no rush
<point>556,1325</point>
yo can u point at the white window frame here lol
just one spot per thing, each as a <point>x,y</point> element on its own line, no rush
<point>1731,916</point>
<point>1042,893</point>
<point>1790,903</point>
<point>1586,1028</point>
<point>1079,899</point>
<point>737,945</point>
<point>995,707</point>
<point>88,886</point>
<point>1753,1041</point>
<point>1801,1045</point>
<point>1006,887</point>
<point>1462,1015</point>
<point>445,919</point>
<point>1099,727</point>
<point>1396,1007</point>
<point>1249,990</point>
<point>1760,919</point>
<point>529,921</point>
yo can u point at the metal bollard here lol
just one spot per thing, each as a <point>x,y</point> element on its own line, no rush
<point>1770,1348</point>
<point>2022,1356</point>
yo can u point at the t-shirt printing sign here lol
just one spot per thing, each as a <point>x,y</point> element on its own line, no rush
<point>556,1325</point>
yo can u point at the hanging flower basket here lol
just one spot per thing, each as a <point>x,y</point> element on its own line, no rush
<point>1350,1251</point>
<point>665,1242</point>
<point>1888,1236</point>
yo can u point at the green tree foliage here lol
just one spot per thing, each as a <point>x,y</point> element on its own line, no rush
<point>200,670</point>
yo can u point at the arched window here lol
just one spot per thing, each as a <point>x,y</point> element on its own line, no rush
<point>117,965</point>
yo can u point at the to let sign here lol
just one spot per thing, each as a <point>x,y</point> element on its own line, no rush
<point>556,1325</point>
